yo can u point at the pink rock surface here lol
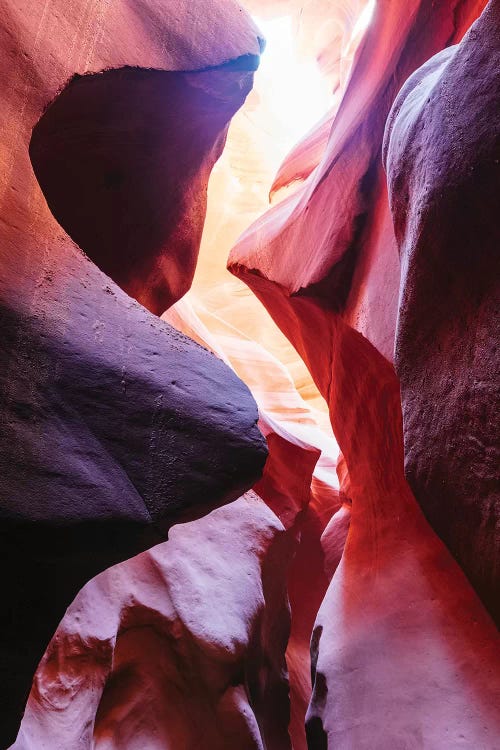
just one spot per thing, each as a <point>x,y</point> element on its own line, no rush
<point>180,646</point>
<point>442,155</point>
<point>204,640</point>
<point>349,261</point>
<point>305,156</point>
<point>105,172</point>
<point>103,414</point>
<point>298,482</point>
<point>324,262</point>
<point>404,653</point>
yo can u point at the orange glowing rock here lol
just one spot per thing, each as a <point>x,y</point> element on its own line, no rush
<point>112,415</point>
<point>324,262</point>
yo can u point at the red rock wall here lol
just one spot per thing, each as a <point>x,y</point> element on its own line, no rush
<point>117,425</point>
<point>179,646</point>
<point>325,264</point>
<point>442,156</point>
<point>103,415</point>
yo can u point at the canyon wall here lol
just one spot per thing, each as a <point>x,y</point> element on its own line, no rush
<point>400,625</point>
<point>442,152</point>
<point>114,425</point>
<point>332,573</point>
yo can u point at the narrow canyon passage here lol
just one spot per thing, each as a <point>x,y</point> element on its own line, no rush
<point>249,448</point>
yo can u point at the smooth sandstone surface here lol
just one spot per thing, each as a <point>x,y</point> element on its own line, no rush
<point>113,424</point>
<point>337,301</point>
<point>118,424</point>
<point>403,652</point>
<point>299,482</point>
<point>113,145</point>
<point>178,647</point>
<point>442,155</point>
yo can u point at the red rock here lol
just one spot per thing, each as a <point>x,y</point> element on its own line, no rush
<point>298,482</point>
<point>106,172</point>
<point>349,261</point>
<point>324,263</point>
<point>401,641</point>
<point>190,642</point>
<point>442,153</point>
<point>113,424</point>
<point>305,156</point>
<point>334,536</point>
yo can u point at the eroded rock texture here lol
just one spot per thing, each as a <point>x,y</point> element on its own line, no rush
<point>113,424</point>
<point>180,647</point>
<point>299,483</point>
<point>443,154</point>
<point>111,147</point>
<point>403,652</point>
<point>324,262</point>
<point>117,424</point>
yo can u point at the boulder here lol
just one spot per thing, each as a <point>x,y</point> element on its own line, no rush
<point>442,155</point>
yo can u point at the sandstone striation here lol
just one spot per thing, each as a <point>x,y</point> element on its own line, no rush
<point>299,481</point>
<point>346,372</point>
<point>324,262</point>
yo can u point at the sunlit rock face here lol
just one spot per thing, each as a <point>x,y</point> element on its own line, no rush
<point>113,424</point>
<point>299,482</point>
<point>442,155</point>
<point>324,262</point>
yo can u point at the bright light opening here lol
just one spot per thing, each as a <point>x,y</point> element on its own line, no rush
<point>292,92</point>
<point>296,94</point>
<point>364,18</point>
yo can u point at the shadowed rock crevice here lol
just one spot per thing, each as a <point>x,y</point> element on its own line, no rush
<point>123,158</point>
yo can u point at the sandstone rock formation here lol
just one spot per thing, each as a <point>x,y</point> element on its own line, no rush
<point>325,609</point>
<point>113,424</point>
<point>336,300</point>
<point>442,155</point>
<point>63,709</point>
<point>105,173</point>
<point>299,481</point>
<point>200,665</point>
<point>403,652</point>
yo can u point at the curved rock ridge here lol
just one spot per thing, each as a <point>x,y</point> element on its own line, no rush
<point>324,610</point>
<point>325,31</point>
<point>404,654</point>
<point>442,154</point>
<point>123,158</point>
<point>338,31</point>
<point>287,490</point>
<point>305,156</point>
<point>349,261</point>
<point>181,645</point>
<point>102,404</point>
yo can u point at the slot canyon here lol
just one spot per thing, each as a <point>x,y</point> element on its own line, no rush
<point>249,374</point>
